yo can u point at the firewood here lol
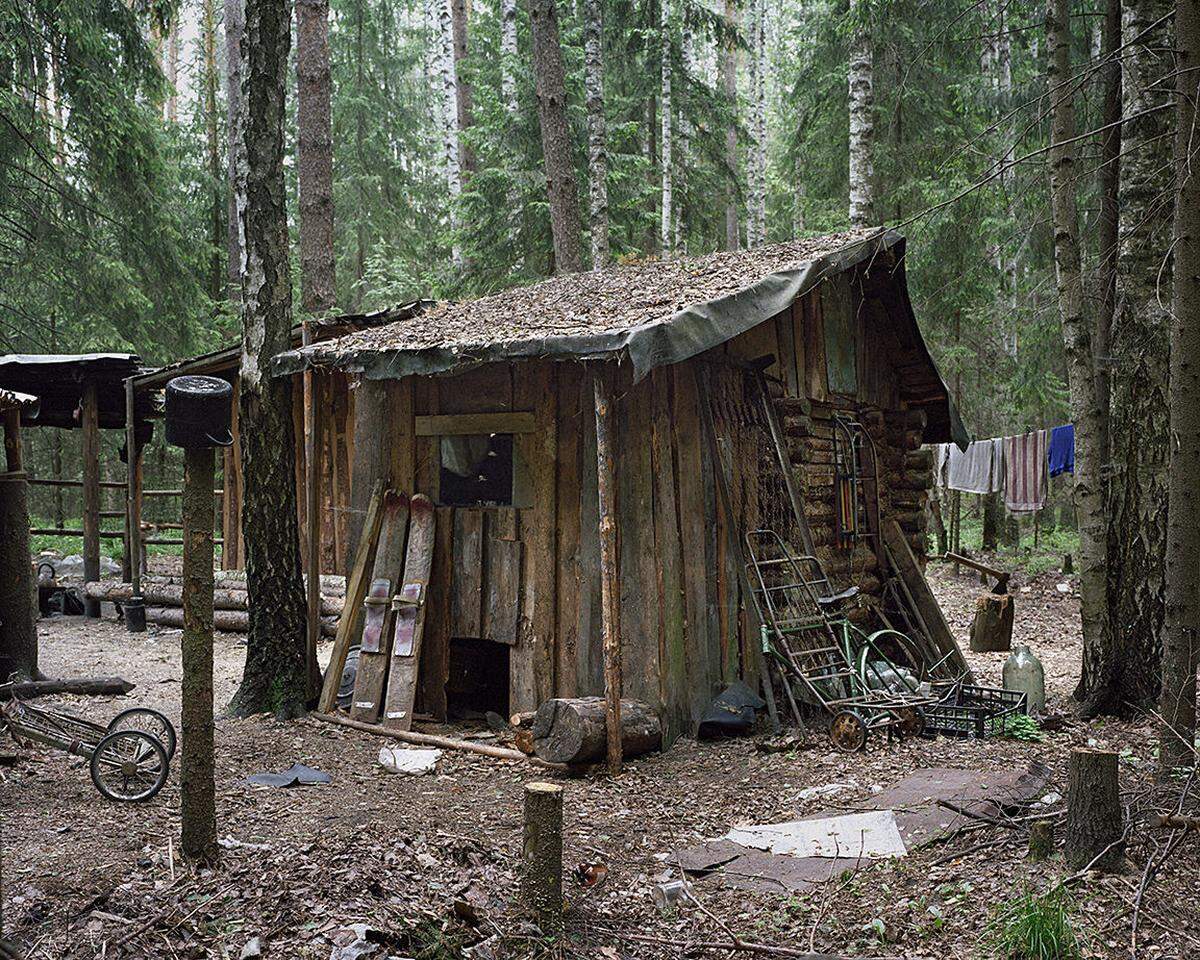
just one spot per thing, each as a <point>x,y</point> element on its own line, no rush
<point>573,731</point>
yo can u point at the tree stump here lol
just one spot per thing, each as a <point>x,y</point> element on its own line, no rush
<point>1094,819</point>
<point>1041,840</point>
<point>574,731</point>
<point>541,849</point>
<point>991,630</point>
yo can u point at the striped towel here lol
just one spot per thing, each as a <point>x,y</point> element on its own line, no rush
<point>1025,480</point>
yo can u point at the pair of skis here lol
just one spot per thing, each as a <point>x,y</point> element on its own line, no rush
<point>394,621</point>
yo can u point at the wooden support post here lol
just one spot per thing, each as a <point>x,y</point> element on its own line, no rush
<point>610,588</point>
<point>312,516</point>
<point>542,852</point>
<point>1095,823</point>
<point>196,777</point>
<point>133,494</point>
<point>90,421</point>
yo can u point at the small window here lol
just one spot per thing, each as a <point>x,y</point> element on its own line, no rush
<point>477,470</point>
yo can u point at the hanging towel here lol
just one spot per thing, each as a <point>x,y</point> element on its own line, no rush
<point>1062,450</point>
<point>1025,471</point>
<point>978,469</point>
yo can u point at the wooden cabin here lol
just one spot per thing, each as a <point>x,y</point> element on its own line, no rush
<point>487,407</point>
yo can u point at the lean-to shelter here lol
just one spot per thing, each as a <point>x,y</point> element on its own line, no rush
<point>487,407</point>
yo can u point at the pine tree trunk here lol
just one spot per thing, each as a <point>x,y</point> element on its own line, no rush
<point>234,104</point>
<point>172,70</point>
<point>1123,674</point>
<point>665,139</point>
<point>862,121</point>
<point>508,55</point>
<point>1181,643</point>
<point>314,161</point>
<point>593,42</point>
<point>550,89</point>
<point>276,675</point>
<point>756,173</point>
<point>683,142</point>
<point>459,14</point>
<point>360,133</point>
<point>1089,501</point>
<point>729,60</point>
<point>443,24</point>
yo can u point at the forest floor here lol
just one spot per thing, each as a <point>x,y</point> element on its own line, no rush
<point>430,863</point>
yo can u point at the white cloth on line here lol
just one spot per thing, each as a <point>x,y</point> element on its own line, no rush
<point>978,469</point>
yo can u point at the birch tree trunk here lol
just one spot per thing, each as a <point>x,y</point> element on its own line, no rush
<point>1123,673</point>
<point>234,104</point>
<point>314,161</point>
<point>208,26</point>
<point>729,61</point>
<point>1108,226</point>
<point>756,170</point>
<point>276,673</point>
<point>597,146</point>
<point>862,121</point>
<point>682,147</point>
<point>665,136</point>
<point>1181,644</point>
<point>450,146</point>
<point>508,55</point>
<point>1076,331</point>
<point>459,15</point>
<point>550,89</point>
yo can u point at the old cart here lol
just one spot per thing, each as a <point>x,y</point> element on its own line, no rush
<point>129,758</point>
<point>839,668</point>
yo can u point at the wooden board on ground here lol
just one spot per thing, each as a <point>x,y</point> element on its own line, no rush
<point>927,609</point>
<point>356,590</point>
<point>409,607</point>
<point>371,679</point>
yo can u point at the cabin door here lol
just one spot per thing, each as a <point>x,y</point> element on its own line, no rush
<point>485,591</point>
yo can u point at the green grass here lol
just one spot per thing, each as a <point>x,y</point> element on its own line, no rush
<point>1037,927</point>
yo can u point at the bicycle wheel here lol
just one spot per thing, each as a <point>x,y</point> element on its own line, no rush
<point>148,721</point>
<point>129,765</point>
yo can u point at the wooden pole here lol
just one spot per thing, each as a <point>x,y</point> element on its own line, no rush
<point>90,421</point>
<point>542,852</point>
<point>196,777</point>
<point>312,516</point>
<point>610,587</point>
<point>133,498</point>
<point>18,637</point>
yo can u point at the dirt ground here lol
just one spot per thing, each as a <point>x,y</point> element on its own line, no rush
<point>430,863</point>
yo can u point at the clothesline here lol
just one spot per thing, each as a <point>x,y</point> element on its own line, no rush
<point>1020,466</point>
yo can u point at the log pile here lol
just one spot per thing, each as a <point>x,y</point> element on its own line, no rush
<point>231,602</point>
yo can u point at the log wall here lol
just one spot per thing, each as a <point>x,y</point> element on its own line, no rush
<point>688,487</point>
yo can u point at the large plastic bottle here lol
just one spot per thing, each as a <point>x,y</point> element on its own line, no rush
<point>1023,672</point>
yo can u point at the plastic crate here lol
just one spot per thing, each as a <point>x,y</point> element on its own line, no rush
<point>970,712</point>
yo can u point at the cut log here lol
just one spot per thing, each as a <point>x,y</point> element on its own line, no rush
<point>1095,825</point>
<point>573,731</point>
<point>82,686</point>
<point>1041,840</point>
<point>228,621</point>
<point>167,594</point>
<point>992,628</point>
<point>542,854</point>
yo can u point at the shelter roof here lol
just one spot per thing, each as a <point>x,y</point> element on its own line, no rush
<point>58,381</point>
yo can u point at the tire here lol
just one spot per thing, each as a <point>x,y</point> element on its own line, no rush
<point>129,765</point>
<point>148,721</point>
<point>848,731</point>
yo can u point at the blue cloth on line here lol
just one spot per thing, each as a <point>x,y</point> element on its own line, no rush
<point>1062,450</point>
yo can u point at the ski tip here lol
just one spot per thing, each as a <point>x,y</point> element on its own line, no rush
<point>421,503</point>
<point>395,499</point>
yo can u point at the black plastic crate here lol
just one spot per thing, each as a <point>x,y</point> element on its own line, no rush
<point>973,712</point>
